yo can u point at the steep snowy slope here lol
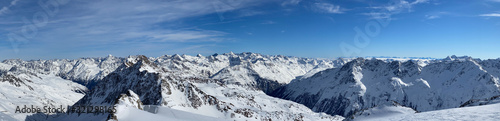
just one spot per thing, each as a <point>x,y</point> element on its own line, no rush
<point>5,117</point>
<point>164,114</point>
<point>24,89</point>
<point>382,112</point>
<point>130,108</point>
<point>366,83</point>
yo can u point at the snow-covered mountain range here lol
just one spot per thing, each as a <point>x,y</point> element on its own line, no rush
<point>238,86</point>
<point>86,71</point>
<point>231,84</point>
<point>367,83</point>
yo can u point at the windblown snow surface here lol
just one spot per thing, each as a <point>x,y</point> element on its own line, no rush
<point>489,112</point>
<point>130,108</point>
<point>164,114</point>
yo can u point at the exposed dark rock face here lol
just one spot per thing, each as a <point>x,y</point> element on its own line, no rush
<point>4,77</point>
<point>126,78</point>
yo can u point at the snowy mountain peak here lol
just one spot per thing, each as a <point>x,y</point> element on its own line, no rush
<point>177,57</point>
<point>458,58</point>
<point>130,99</point>
<point>131,60</point>
<point>230,54</point>
<point>5,67</point>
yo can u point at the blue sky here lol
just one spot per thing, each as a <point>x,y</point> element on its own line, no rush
<point>57,29</point>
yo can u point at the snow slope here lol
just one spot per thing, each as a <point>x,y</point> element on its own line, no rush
<point>129,108</point>
<point>164,114</point>
<point>382,112</point>
<point>19,89</point>
<point>5,117</point>
<point>477,113</point>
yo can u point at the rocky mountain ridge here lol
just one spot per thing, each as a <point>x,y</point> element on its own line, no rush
<point>365,83</point>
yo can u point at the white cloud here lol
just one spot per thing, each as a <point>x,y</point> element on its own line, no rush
<point>436,15</point>
<point>14,2</point>
<point>109,20</point>
<point>431,17</point>
<point>132,19</point>
<point>328,8</point>
<point>491,15</point>
<point>378,15</point>
<point>165,10</point>
<point>395,7</point>
<point>6,9</point>
<point>246,13</point>
<point>268,22</point>
<point>403,5</point>
<point>118,25</point>
<point>187,36</point>
<point>290,2</point>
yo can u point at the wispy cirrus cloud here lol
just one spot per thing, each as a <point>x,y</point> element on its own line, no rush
<point>124,23</point>
<point>290,2</point>
<point>386,11</point>
<point>6,9</point>
<point>429,17</point>
<point>491,15</point>
<point>378,15</point>
<point>186,36</point>
<point>494,0</point>
<point>437,15</point>
<point>403,5</point>
<point>118,21</point>
<point>268,22</point>
<point>328,8</point>
<point>248,13</point>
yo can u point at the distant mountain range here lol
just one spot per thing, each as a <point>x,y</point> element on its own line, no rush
<point>245,86</point>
